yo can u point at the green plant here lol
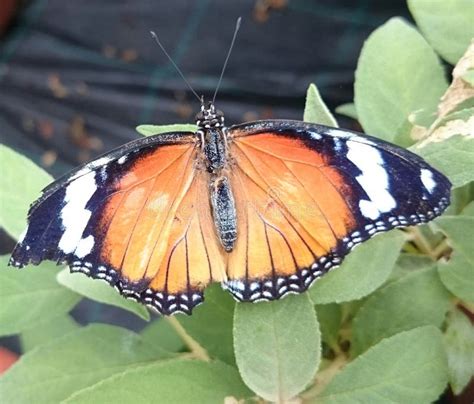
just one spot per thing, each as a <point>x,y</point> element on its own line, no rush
<point>389,326</point>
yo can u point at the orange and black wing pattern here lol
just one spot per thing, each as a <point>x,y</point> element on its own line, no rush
<point>304,195</point>
<point>307,194</point>
<point>137,218</point>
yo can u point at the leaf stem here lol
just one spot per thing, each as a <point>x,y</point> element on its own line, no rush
<point>421,242</point>
<point>197,350</point>
<point>324,377</point>
<point>441,249</point>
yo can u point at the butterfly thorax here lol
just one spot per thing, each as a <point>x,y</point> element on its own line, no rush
<point>214,146</point>
<point>214,150</point>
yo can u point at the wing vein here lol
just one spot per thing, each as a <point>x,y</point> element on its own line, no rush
<point>314,200</point>
<point>282,235</point>
<point>280,202</point>
<point>168,214</point>
<point>269,247</point>
<point>130,237</point>
<point>267,152</point>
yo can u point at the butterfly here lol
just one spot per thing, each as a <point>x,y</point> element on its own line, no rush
<point>264,207</point>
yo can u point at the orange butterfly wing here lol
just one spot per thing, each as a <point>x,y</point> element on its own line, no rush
<point>306,194</point>
<point>137,217</point>
<point>291,212</point>
<point>159,235</point>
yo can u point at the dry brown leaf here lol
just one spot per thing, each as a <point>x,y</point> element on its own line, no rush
<point>450,128</point>
<point>459,90</point>
<point>417,132</point>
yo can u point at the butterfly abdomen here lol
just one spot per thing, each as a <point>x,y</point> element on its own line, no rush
<point>223,211</point>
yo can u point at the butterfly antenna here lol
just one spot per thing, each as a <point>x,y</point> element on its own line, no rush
<point>155,37</point>
<point>237,26</point>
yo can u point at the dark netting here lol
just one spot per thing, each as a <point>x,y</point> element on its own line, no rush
<point>77,77</point>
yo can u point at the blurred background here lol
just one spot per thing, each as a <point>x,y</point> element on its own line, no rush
<point>76,78</point>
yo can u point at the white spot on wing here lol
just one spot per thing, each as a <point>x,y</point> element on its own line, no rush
<point>103,174</point>
<point>374,179</point>
<point>236,285</point>
<point>341,134</point>
<point>426,177</point>
<point>91,166</point>
<point>369,209</point>
<point>22,235</point>
<point>85,246</point>
<point>99,162</point>
<point>254,286</point>
<point>80,173</point>
<point>74,215</point>
<point>122,159</point>
<point>337,144</point>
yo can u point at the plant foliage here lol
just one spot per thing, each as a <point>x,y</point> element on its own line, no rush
<point>390,325</point>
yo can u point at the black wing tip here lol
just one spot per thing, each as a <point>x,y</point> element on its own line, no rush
<point>13,262</point>
<point>19,257</point>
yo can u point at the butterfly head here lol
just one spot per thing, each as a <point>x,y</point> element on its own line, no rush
<point>209,117</point>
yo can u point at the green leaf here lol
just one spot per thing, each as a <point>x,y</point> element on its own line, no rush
<point>412,262</point>
<point>408,263</point>
<point>100,291</point>
<point>45,332</point>
<point>161,333</point>
<point>330,318</point>
<point>468,77</point>
<point>362,271</point>
<point>452,156</point>
<point>415,300</point>
<point>277,346</point>
<point>397,73</point>
<point>409,367</point>
<point>459,345</point>
<point>174,381</point>
<point>460,198</point>
<point>211,324</point>
<point>30,296</point>
<point>52,372</point>
<point>150,130</point>
<point>446,24</point>
<point>458,276</point>
<point>315,110</point>
<point>24,181</point>
<point>458,272</point>
<point>348,110</point>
